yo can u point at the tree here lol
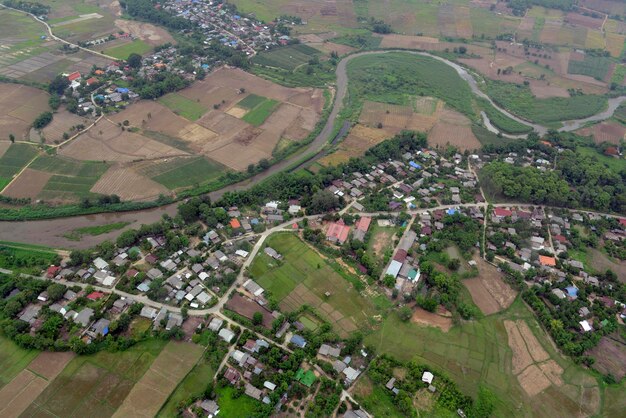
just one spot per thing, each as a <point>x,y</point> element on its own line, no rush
<point>55,291</point>
<point>134,60</point>
<point>405,313</point>
<point>257,318</point>
<point>12,138</point>
<point>322,201</point>
<point>58,85</point>
<point>42,120</point>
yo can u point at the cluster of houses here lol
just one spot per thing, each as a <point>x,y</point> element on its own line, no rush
<point>529,239</point>
<point>423,179</point>
<point>220,23</point>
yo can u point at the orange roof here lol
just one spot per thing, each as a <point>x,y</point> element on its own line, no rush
<point>73,76</point>
<point>337,231</point>
<point>234,223</point>
<point>91,81</point>
<point>98,72</point>
<point>363,223</point>
<point>547,261</point>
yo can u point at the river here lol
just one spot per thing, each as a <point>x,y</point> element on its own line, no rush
<point>51,232</point>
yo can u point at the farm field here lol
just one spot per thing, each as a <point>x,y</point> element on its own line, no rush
<point>96,385</point>
<point>181,172</point>
<point>155,386</point>
<point>136,46</point>
<point>480,351</point>
<point>183,106</point>
<point>25,258</point>
<point>19,106</point>
<point>596,67</point>
<point>259,114</point>
<point>607,131</point>
<point>303,276</point>
<point>16,157</point>
<point>28,54</point>
<point>287,58</point>
<point>360,139</point>
<point>13,359</point>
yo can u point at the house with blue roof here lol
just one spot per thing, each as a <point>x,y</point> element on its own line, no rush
<point>122,90</point>
<point>298,341</point>
<point>415,165</point>
<point>572,292</point>
<point>452,211</point>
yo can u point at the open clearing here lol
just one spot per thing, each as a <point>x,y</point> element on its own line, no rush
<point>488,290</point>
<point>19,107</point>
<point>303,277</point>
<point>155,386</point>
<point>360,139</point>
<point>147,32</point>
<point>422,317</point>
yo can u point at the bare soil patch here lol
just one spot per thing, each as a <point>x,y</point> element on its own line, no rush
<point>535,349</point>
<point>152,35</point>
<point>330,47</point>
<point>16,396</point>
<point>533,381</point>
<point>542,90</point>
<point>454,129</point>
<point>359,140</point>
<point>489,291</point>
<point>128,184</point>
<point>61,123</point>
<point>521,356</point>
<point>19,107</point>
<point>607,131</point>
<point>28,184</point>
<point>423,317</point>
<point>49,364</point>
<point>408,42</point>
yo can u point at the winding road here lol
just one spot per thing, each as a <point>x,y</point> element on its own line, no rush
<point>50,232</point>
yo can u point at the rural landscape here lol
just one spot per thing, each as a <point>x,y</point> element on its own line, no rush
<point>322,208</point>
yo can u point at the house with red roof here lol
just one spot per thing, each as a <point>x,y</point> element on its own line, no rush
<point>95,295</point>
<point>544,260</point>
<point>235,224</point>
<point>502,213</point>
<point>337,232</point>
<point>91,81</point>
<point>363,224</point>
<point>74,76</point>
<point>52,271</point>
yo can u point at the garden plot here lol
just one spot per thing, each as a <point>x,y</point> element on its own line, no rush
<point>488,290</point>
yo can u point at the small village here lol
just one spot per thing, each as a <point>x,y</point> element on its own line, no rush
<point>184,281</point>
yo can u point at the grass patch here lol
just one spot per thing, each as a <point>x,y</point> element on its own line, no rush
<point>183,106</point>
<point>14,159</point>
<point>288,57</point>
<point>619,74</point>
<point>78,233</point>
<point>184,172</point>
<point>231,407</point>
<point>71,180</point>
<point>251,101</point>
<point>123,51</point>
<point>486,137</point>
<point>261,112</point>
<point>13,359</point>
<point>519,100</point>
<point>502,122</point>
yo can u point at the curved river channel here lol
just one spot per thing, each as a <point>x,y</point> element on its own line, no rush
<point>50,232</point>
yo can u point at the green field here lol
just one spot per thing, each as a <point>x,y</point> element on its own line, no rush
<point>235,407</point>
<point>478,351</point>
<point>261,112</point>
<point>25,35</point>
<point>396,78</point>
<point>486,137</point>
<point>96,385</point>
<point>193,384</point>
<point>288,57</point>
<point>184,172</point>
<point>519,100</point>
<point>502,122</point>
<point>183,106</point>
<point>13,359</point>
<point>596,67</point>
<point>14,159</point>
<point>26,258</point>
<point>123,51</point>
<point>71,180</point>
<point>251,101</point>
<point>301,265</point>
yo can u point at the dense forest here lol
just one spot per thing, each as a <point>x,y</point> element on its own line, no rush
<point>27,6</point>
